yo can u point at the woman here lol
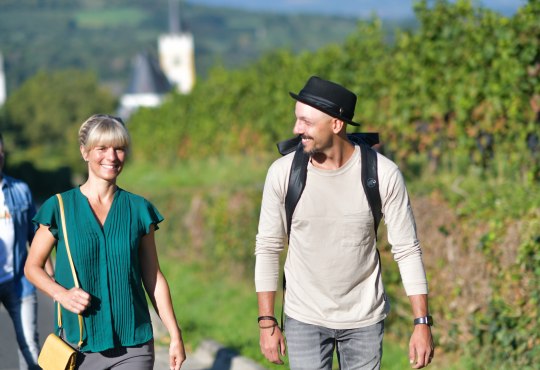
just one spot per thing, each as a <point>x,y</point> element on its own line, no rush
<point>111,238</point>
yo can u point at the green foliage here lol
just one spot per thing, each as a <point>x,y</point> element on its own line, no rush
<point>507,333</point>
<point>44,115</point>
<point>211,207</point>
<point>460,90</point>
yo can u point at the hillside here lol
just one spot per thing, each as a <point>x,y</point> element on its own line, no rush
<point>105,36</point>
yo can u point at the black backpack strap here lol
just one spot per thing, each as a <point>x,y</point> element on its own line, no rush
<point>370,182</point>
<point>297,183</point>
<point>288,146</point>
<point>369,138</point>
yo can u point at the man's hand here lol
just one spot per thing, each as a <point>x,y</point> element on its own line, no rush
<point>421,348</point>
<point>272,341</point>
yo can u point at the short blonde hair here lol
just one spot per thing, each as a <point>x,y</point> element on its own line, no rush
<point>103,129</point>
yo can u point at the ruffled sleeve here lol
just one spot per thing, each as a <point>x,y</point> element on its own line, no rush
<point>48,215</point>
<point>150,216</point>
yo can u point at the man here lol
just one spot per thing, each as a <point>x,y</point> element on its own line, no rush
<point>335,297</point>
<point>16,294</point>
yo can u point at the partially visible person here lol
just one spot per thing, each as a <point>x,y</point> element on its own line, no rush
<point>16,293</point>
<point>111,238</point>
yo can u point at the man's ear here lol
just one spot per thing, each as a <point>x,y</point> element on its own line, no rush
<point>337,125</point>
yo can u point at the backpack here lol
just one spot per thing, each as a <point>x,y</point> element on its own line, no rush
<point>298,176</point>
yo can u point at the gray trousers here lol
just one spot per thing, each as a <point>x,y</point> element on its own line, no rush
<point>125,358</point>
<point>311,347</point>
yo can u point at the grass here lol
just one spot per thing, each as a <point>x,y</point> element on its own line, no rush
<point>210,305</point>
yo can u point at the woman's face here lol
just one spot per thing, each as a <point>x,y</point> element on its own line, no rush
<point>105,161</point>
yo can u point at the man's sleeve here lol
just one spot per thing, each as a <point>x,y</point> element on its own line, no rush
<point>401,226</point>
<point>271,232</point>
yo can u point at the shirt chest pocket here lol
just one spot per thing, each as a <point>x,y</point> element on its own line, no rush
<point>356,229</point>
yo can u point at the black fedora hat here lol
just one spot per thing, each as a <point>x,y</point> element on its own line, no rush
<point>328,97</point>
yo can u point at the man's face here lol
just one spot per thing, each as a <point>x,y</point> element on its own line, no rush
<point>314,127</point>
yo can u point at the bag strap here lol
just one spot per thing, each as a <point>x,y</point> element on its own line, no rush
<point>297,183</point>
<point>370,182</point>
<point>76,281</point>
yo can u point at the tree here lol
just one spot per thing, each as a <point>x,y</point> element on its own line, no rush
<point>44,114</point>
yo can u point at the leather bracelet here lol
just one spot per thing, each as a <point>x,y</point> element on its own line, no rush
<point>268,327</point>
<point>273,326</point>
<point>271,318</point>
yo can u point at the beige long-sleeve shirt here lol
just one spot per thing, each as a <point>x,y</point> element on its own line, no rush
<point>332,268</point>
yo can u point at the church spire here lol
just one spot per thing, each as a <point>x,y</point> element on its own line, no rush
<point>174,17</point>
<point>177,52</point>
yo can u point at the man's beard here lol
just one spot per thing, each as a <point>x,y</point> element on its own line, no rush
<point>311,152</point>
<point>314,150</point>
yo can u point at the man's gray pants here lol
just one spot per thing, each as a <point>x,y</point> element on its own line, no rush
<point>311,347</point>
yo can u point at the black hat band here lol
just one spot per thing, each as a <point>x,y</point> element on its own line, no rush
<point>324,104</point>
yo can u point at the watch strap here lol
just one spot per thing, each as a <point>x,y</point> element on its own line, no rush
<point>427,320</point>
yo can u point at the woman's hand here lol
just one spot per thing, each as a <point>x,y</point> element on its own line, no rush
<point>177,354</point>
<point>75,300</point>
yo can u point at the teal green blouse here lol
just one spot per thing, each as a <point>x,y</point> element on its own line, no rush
<point>107,263</point>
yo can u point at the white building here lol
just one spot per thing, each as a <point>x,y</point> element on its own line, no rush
<point>177,52</point>
<point>147,88</point>
<point>177,59</point>
<point>152,80</point>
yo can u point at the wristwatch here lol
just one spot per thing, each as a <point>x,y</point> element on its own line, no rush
<point>428,320</point>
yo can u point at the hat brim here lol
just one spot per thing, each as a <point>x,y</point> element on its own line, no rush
<point>322,109</point>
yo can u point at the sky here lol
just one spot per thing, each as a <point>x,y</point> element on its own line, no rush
<point>356,8</point>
